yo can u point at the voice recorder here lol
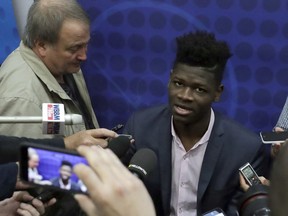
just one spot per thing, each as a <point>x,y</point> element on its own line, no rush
<point>249,174</point>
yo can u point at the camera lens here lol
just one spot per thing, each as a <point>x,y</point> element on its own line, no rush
<point>255,202</point>
<point>262,212</point>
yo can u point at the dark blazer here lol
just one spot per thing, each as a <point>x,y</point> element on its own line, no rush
<point>8,179</point>
<point>230,146</point>
<point>10,146</point>
<point>74,185</point>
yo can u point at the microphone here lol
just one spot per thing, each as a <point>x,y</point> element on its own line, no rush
<point>119,145</point>
<point>143,162</point>
<point>69,119</point>
<point>53,119</point>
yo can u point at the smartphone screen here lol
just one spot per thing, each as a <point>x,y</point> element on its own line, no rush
<point>50,167</point>
<point>273,137</point>
<point>214,212</point>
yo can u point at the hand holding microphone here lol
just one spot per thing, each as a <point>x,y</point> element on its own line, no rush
<point>117,144</point>
<point>114,191</point>
<point>90,137</point>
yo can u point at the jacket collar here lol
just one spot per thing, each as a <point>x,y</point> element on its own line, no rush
<point>41,71</point>
<point>164,158</point>
<point>209,162</point>
<point>211,157</point>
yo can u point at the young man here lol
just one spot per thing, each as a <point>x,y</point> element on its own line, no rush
<point>64,180</point>
<point>45,68</point>
<point>199,150</point>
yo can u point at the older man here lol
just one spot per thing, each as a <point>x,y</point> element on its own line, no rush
<point>46,68</point>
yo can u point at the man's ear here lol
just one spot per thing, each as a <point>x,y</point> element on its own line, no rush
<point>219,91</point>
<point>40,48</point>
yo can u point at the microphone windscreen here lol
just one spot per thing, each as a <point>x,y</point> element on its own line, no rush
<point>73,119</point>
<point>143,162</point>
<point>119,145</point>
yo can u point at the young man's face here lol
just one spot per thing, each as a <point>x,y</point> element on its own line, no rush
<point>192,90</point>
<point>69,52</point>
<point>65,172</point>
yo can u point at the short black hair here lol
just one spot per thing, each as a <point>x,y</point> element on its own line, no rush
<point>201,49</point>
<point>66,163</point>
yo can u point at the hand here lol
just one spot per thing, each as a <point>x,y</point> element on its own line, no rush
<point>275,148</point>
<point>113,190</point>
<point>20,185</point>
<point>22,203</point>
<point>245,186</point>
<point>89,137</point>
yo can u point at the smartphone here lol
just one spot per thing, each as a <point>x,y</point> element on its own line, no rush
<point>126,135</point>
<point>249,174</point>
<point>214,212</point>
<point>273,137</point>
<point>50,167</point>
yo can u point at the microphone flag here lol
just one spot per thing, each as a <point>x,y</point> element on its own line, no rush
<point>53,115</point>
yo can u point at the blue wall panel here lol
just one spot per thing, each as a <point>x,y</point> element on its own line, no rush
<point>132,49</point>
<point>9,38</point>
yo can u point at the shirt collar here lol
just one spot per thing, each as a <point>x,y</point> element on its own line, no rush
<point>205,137</point>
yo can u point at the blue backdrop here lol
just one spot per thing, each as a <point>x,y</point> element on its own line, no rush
<point>133,46</point>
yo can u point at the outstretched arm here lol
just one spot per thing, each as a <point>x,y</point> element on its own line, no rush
<point>113,190</point>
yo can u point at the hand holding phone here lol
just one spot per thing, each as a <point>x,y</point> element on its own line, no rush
<point>45,196</point>
<point>249,174</point>
<point>54,165</point>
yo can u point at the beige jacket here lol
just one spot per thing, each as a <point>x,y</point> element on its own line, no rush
<point>26,83</point>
